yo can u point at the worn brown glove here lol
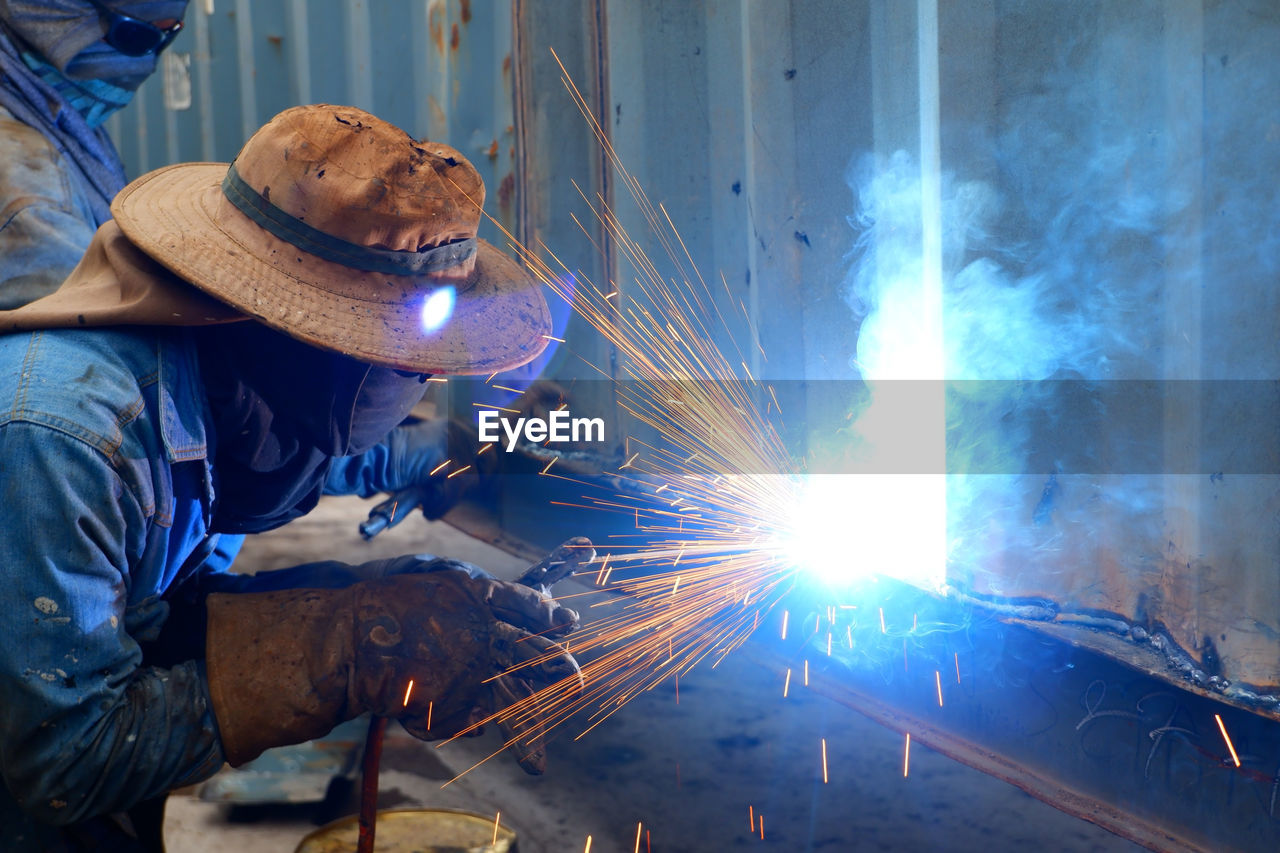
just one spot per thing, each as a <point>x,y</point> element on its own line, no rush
<point>285,667</point>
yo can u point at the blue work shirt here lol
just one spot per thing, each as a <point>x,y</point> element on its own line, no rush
<point>108,490</point>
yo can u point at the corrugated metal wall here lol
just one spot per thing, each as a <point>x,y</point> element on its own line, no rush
<point>1083,205</point>
<point>440,69</point>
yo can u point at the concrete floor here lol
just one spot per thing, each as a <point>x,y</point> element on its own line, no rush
<point>691,770</point>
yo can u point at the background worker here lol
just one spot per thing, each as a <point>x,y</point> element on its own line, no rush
<point>65,67</point>
<point>236,341</point>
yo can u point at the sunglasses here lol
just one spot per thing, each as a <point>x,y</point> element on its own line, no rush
<point>131,36</point>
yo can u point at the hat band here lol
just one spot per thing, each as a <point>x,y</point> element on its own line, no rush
<point>314,241</point>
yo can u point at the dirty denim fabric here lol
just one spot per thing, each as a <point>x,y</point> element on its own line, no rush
<point>108,493</point>
<point>106,489</point>
<point>46,219</point>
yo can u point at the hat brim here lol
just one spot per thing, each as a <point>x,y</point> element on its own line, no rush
<point>178,216</point>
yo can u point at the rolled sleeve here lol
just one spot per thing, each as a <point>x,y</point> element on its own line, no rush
<point>85,728</point>
<point>365,475</point>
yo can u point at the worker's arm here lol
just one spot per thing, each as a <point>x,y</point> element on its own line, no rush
<point>85,729</point>
<point>404,458</point>
<point>422,454</point>
<point>44,227</point>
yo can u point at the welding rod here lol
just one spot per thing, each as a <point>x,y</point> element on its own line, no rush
<point>369,783</point>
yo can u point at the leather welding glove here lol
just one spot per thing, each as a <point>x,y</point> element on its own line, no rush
<point>285,667</point>
<point>332,574</point>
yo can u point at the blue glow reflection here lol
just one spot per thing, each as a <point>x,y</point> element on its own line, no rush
<point>438,308</point>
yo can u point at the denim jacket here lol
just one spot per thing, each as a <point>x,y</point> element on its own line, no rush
<point>46,220</point>
<point>107,489</point>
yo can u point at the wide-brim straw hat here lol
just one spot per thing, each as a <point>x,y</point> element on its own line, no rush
<point>340,230</point>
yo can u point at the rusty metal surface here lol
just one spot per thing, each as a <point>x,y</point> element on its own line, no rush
<point>1061,713</point>
<point>1068,725</point>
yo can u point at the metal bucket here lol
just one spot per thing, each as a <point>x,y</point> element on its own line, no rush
<point>415,831</point>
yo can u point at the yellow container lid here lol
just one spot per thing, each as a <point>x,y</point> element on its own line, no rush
<point>415,831</point>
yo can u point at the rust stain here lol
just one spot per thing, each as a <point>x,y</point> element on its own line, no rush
<point>437,112</point>
<point>275,41</point>
<point>493,150</point>
<point>435,25</point>
<point>506,195</point>
<point>506,64</point>
<point>454,38</point>
<point>466,10</point>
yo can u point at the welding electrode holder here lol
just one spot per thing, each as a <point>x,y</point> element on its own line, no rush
<point>393,510</point>
<point>565,561</point>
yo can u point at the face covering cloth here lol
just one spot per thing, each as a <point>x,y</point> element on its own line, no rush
<point>281,410</point>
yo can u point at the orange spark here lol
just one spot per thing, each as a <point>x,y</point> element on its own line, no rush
<point>806,673</point>
<point>751,813</point>
<point>786,685</point>
<point>586,849</point>
<point>906,756</point>
<point>714,439</point>
<point>1222,728</point>
<point>444,464</point>
<point>459,471</point>
<point>824,761</point>
<point>937,676</point>
<point>495,828</point>
<point>497,408</point>
<point>640,824</point>
<point>408,692</point>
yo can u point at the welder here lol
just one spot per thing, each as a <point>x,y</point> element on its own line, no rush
<point>237,340</point>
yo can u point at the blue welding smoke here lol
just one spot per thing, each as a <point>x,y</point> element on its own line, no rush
<point>1055,267</point>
